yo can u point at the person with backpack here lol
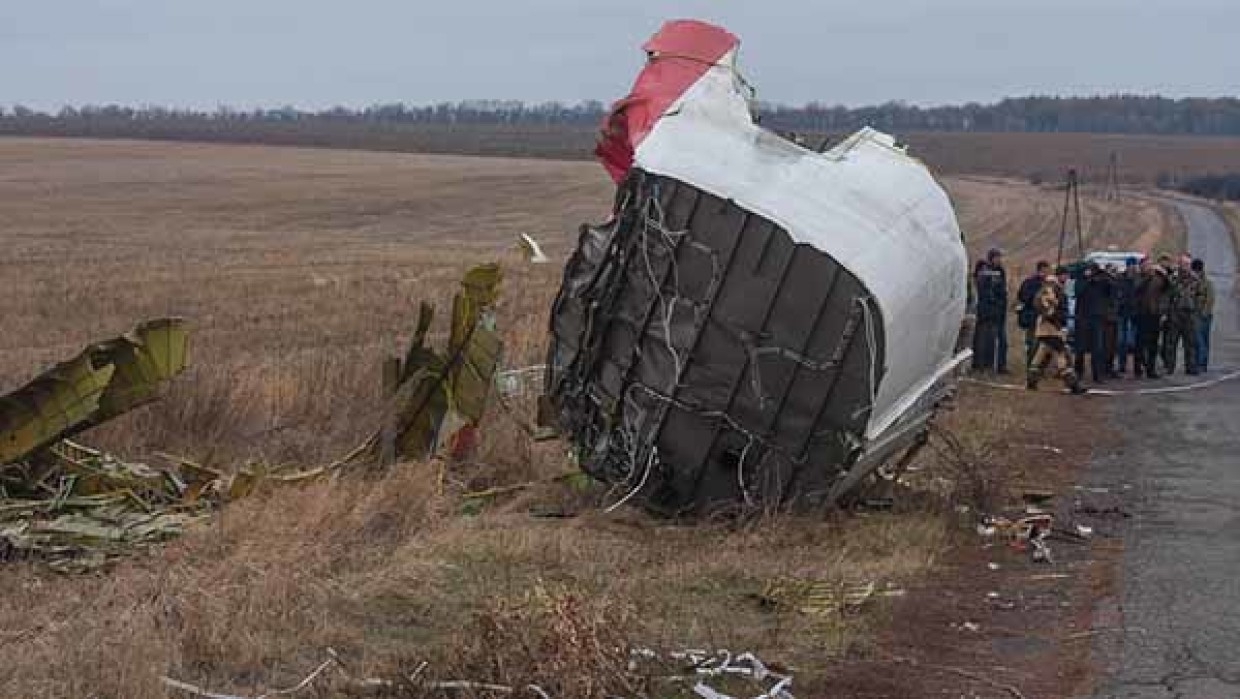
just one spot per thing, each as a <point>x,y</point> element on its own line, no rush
<point>1026,311</point>
<point>1050,329</point>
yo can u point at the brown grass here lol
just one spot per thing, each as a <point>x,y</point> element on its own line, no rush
<point>300,269</point>
<point>1143,159</point>
<point>388,575</point>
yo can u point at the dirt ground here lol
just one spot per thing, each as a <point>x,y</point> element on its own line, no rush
<point>299,269</point>
<point>990,621</point>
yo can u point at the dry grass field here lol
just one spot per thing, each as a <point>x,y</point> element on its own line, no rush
<point>299,270</point>
<point>1142,159</point>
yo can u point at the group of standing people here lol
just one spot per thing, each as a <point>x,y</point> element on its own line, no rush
<point>1124,320</point>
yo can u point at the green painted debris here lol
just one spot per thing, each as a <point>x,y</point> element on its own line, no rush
<point>105,380</point>
<point>440,397</point>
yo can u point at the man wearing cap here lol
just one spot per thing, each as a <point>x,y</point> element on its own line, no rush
<point>1051,304</point>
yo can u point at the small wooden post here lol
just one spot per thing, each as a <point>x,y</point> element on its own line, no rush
<point>387,435</point>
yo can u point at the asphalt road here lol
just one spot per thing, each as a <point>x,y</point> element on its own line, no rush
<point>1177,617</point>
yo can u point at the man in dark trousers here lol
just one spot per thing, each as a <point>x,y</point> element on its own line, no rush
<point>990,280</point>
<point>1205,315</point>
<point>1026,312</point>
<point>1092,291</point>
<point>1126,304</point>
<point>1151,297</point>
<point>1108,281</point>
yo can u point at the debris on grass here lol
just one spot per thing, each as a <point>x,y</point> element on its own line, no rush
<point>533,250</point>
<point>821,597</point>
<point>440,397</point>
<point>77,508</point>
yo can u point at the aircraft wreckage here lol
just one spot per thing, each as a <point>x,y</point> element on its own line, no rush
<point>759,324</point>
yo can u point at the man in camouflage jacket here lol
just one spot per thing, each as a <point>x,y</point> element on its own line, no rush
<point>1187,296</point>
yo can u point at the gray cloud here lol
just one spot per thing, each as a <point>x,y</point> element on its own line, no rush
<point>316,53</point>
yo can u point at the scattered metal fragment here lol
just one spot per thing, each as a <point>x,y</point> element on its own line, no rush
<point>820,597</point>
<point>1042,447</point>
<point>1041,550</point>
<point>722,663</point>
<point>533,250</point>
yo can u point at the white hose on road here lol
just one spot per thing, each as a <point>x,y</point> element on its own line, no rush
<point>1208,383</point>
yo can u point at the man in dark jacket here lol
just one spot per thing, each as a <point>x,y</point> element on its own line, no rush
<point>1093,301</point>
<point>1026,312</point>
<point>1126,304</point>
<point>1151,298</point>
<point>1108,281</point>
<point>990,347</point>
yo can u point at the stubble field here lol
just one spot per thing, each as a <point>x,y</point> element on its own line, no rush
<point>299,270</point>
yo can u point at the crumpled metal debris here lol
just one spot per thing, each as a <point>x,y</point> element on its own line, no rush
<point>76,508</point>
<point>823,597</point>
<point>1025,533</point>
<point>70,505</point>
<point>105,380</point>
<point>440,397</point>
<point>722,663</point>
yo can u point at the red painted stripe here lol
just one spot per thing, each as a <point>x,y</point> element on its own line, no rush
<point>679,55</point>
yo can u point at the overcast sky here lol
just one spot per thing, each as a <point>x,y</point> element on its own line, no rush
<point>320,53</point>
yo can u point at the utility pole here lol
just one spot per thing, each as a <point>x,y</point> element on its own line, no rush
<point>1112,191</point>
<point>1071,203</point>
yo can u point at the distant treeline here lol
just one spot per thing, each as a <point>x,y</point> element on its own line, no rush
<point>1120,114</point>
<point>1214,186</point>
